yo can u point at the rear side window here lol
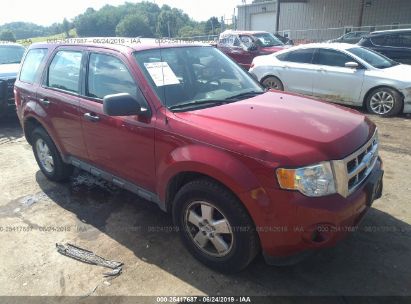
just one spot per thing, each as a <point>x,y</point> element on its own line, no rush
<point>331,58</point>
<point>64,71</point>
<point>379,40</point>
<point>394,40</point>
<point>108,75</point>
<point>31,65</point>
<point>299,56</point>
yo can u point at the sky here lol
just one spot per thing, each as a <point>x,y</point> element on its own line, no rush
<point>46,12</point>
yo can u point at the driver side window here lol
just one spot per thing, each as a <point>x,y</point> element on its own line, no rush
<point>331,58</point>
<point>108,75</point>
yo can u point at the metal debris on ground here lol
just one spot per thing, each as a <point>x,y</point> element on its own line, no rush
<point>89,257</point>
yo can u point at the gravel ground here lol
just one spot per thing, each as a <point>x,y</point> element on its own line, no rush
<point>35,214</point>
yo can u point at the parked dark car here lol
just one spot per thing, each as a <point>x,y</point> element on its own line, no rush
<point>351,37</point>
<point>186,128</point>
<point>244,46</point>
<point>395,44</point>
<point>10,57</point>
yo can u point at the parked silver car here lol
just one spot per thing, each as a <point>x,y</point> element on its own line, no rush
<point>341,73</point>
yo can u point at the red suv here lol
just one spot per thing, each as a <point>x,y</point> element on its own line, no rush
<point>244,46</point>
<point>241,170</point>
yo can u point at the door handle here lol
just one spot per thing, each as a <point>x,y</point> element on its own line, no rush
<point>44,102</point>
<point>91,117</point>
<point>321,70</point>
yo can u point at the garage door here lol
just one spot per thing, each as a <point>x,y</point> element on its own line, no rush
<point>263,22</point>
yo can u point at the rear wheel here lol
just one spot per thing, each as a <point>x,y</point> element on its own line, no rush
<point>384,102</point>
<point>48,157</point>
<point>214,226</point>
<point>273,82</point>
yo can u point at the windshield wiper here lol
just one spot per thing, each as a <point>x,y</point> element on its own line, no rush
<point>246,94</point>
<point>196,104</point>
<point>11,62</point>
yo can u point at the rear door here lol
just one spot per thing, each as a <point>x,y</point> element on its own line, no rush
<point>29,77</point>
<point>334,82</point>
<point>297,72</point>
<point>59,100</point>
<point>122,146</point>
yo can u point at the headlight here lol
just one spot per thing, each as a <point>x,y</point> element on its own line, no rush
<point>317,180</point>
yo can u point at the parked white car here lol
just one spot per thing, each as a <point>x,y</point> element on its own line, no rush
<point>341,73</point>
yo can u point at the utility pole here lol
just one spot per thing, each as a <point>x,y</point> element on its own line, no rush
<point>168,26</point>
<point>361,17</point>
<point>277,21</point>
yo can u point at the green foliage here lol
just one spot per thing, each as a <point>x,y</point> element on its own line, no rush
<point>145,19</point>
<point>7,35</point>
<point>134,26</point>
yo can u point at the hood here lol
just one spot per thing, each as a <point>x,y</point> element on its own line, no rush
<point>399,72</point>
<point>272,49</point>
<point>282,127</point>
<point>9,70</point>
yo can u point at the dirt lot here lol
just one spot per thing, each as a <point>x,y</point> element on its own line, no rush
<point>35,214</point>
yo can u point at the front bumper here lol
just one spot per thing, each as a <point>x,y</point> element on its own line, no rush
<point>6,96</point>
<point>295,225</point>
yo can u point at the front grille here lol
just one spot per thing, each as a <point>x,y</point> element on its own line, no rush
<point>354,169</point>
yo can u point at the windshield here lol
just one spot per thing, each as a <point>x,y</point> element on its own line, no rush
<point>195,77</point>
<point>376,60</point>
<point>11,54</point>
<point>267,40</point>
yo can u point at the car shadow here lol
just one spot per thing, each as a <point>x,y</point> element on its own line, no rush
<point>373,261</point>
<point>10,129</point>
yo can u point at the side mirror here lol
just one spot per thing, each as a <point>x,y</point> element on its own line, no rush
<point>352,65</point>
<point>252,47</point>
<point>122,104</point>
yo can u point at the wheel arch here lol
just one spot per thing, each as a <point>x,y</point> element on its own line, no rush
<point>30,123</point>
<point>369,91</point>
<point>195,162</point>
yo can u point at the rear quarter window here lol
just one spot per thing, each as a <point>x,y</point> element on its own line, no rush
<point>64,71</point>
<point>31,65</point>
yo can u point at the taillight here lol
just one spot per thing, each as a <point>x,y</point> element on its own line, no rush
<point>252,65</point>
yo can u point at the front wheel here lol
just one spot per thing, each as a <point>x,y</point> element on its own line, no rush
<point>384,102</point>
<point>214,226</point>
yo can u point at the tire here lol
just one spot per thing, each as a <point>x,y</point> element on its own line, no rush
<point>48,157</point>
<point>200,198</point>
<point>385,102</point>
<point>272,82</point>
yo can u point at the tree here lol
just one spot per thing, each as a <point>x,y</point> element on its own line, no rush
<point>167,23</point>
<point>66,27</point>
<point>134,26</point>
<point>7,35</point>
<point>189,31</point>
<point>212,25</point>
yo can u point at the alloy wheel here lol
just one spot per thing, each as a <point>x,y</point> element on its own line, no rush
<point>272,83</point>
<point>382,102</point>
<point>44,155</point>
<point>209,229</point>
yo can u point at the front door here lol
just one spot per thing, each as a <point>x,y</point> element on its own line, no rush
<point>335,82</point>
<point>122,146</point>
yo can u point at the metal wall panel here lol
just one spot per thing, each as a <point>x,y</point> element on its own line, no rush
<point>384,12</point>
<point>320,14</point>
